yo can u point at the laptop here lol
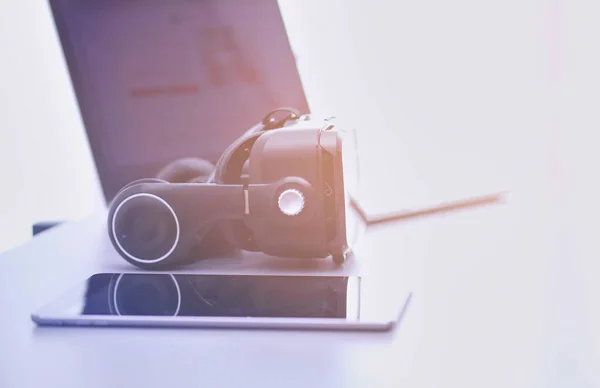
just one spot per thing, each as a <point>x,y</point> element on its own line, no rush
<point>160,80</point>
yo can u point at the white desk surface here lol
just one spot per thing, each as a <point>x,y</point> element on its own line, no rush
<point>492,307</point>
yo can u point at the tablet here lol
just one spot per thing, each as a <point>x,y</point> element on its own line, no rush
<point>226,301</point>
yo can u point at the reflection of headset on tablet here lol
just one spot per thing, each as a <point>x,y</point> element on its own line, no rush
<point>281,188</point>
<point>154,294</point>
<point>134,294</point>
<point>148,294</point>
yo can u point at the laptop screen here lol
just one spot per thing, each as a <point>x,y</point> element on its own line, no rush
<point>158,80</point>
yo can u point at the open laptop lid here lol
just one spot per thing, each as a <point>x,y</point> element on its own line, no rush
<point>158,80</point>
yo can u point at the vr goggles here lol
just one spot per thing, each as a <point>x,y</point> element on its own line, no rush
<point>285,187</point>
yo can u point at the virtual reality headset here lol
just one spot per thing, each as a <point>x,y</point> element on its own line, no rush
<point>286,188</point>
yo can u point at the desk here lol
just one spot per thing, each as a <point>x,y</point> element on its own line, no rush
<point>485,312</point>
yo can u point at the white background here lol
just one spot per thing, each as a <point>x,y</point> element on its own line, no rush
<point>46,169</point>
<point>461,95</point>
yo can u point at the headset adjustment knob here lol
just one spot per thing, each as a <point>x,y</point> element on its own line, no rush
<point>291,202</point>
